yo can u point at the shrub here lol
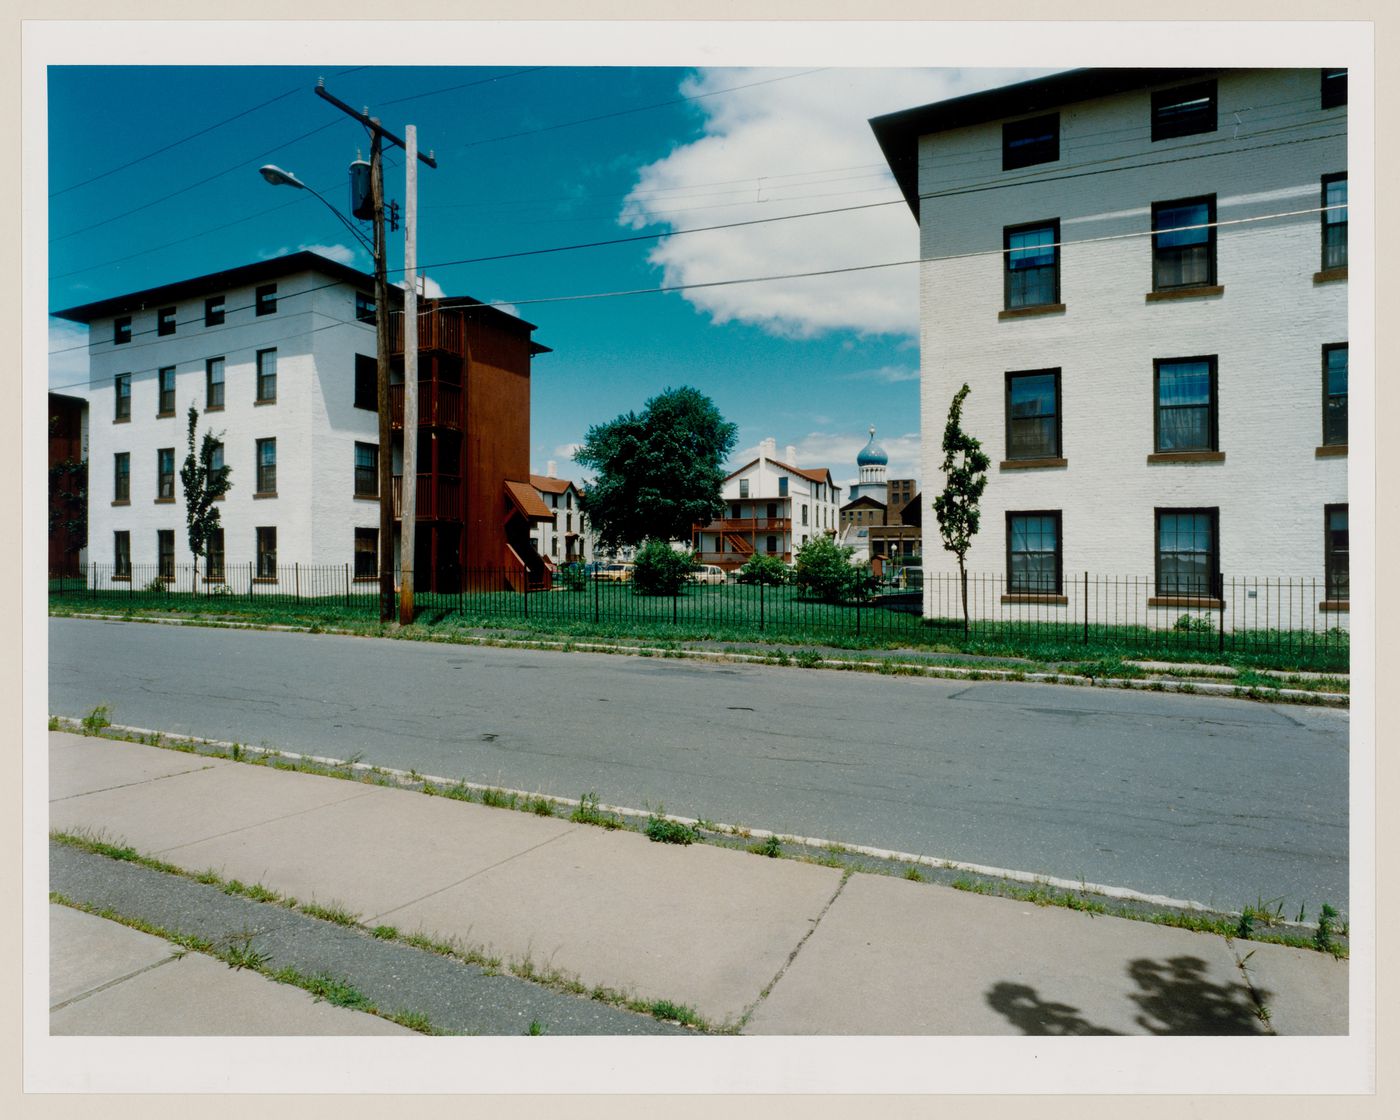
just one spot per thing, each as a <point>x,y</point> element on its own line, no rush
<point>824,571</point>
<point>572,577</point>
<point>1194,624</point>
<point>665,831</point>
<point>770,570</point>
<point>660,569</point>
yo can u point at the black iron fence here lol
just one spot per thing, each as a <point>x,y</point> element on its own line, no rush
<point>1086,616</point>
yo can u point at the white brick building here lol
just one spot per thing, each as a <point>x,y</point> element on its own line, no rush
<point>1164,405</point>
<point>567,537</point>
<point>279,356</point>
<point>774,509</point>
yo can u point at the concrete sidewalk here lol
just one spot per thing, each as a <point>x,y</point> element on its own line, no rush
<point>765,946</point>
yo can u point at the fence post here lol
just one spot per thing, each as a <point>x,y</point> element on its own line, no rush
<point>250,579</point>
<point>1221,597</point>
<point>296,577</point>
<point>1086,608</point>
<point>594,577</point>
<point>527,592</point>
<point>675,598</point>
<point>92,568</point>
<point>760,604</point>
<point>347,586</point>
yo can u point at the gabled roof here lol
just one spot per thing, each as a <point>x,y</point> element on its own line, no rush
<point>809,473</point>
<point>524,498</point>
<point>862,501</point>
<point>898,133</point>
<point>549,484</point>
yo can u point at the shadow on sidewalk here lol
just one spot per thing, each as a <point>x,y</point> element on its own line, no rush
<point>1175,998</point>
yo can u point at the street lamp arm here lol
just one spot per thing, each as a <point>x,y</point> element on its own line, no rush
<point>279,178</point>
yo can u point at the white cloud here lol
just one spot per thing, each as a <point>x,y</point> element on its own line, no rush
<point>429,287</point>
<point>344,254</point>
<point>837,452</point>
<point>68,357</point>
<point>566,450</point>
<point>790,147</point>
<point>889,375</point>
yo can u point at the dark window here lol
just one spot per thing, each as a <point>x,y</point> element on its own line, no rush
<point>1334,393</point>
<point>165,473</point>
<point>1338,553</point>
<point>772,543</point>
<point>214,383</point>
<point>783,486</point>
<point>1184,111</point>
<point>1033,553</point>
<point>267,466</point>
<point>1183,243</point>
<point>1033,414</point>
<point>123,390</point>
<point>1032,264</point>
<point>165,550</point>
<point>214,311</point>
<point>267,375</point>
<point>214,554</point>
<point>1186,404</point>
<point>366,470</point>
<point>1024,143</point>
<point>366,553</point>
<point>804,513</point>
<point>165,321</point>
<point>1188,555</point>
<point>167,391</point>
<point>216,456</point>
<point>366,382</point>
<point>265,299</point>
<point>743,487</point>
<point>267,552</point>
<point>121,330</point>
<point>121,553</point>
<point>1334,88</point>
<point>1334,221</point>
<point>364,308</point>
<point>121,477</point>
<point>772,510</point>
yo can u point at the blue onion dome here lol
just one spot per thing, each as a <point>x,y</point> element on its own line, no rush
<point>872,454</point>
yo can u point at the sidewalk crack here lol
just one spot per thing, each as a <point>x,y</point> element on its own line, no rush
<point>175,955</point>
<point>262,823</point>
<point>1261,1008</point>
<point>469,878</point>
<point>128,785</point>
<point>787,964</point>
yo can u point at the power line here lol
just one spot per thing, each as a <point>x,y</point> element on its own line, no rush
<point>970,255</point>
<point>191,136</point>
<point>638,109</point>
<point>464,85</point>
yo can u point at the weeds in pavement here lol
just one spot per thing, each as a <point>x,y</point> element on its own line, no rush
<point>240,953</point>
<point>498,798</point>
<point>332,913</point>
<point>540,806</point>
<point>772,848</point>
<point>385,933</point>
<point>667,1011</point>
<point>97,719</point>
<point>1326,927</point>
<point>913,875</point>
<point>665,831</point>
<point>588,812</point>
<point>536,1028</point>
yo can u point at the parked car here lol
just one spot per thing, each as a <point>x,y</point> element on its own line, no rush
<point>616,573</point>
<point>708,573</point>
<point>912,579</point>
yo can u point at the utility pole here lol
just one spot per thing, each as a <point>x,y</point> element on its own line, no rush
<point>410,373</point>
<point>378,134</point>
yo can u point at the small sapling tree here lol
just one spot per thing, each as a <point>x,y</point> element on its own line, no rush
<point>966,465</point>
<point>205,480</point>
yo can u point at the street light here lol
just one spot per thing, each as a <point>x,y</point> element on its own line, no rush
<point>279,178</point>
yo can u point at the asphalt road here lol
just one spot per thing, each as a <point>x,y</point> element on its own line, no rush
<point>1221,801</point>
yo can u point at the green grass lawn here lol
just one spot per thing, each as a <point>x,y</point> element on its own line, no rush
<point>735,614</point>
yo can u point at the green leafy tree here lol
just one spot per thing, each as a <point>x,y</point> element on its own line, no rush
<point>204,484</point>
<point>657,473</point>
<point>765,569</point>
<point>660,569</point>
<point>823,569</point>
<point>966,465</point>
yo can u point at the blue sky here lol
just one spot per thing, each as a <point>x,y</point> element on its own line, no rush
<point>153,178</point>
